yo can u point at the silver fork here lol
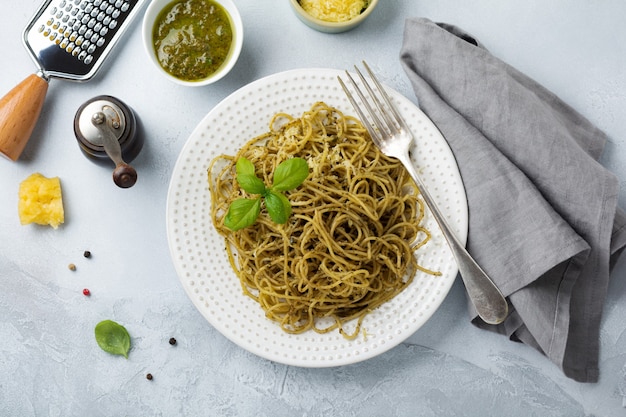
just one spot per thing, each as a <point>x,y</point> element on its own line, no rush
<point>391,134</point>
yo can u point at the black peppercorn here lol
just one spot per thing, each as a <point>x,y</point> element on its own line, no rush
<point>87,254</point>
<point>149,377</point>
<point>172,341</point>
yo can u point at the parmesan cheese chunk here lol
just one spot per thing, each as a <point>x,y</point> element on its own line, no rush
<point>40,201</point>
<point>334,10</point>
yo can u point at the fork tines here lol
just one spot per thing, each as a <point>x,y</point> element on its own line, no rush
<point>385,119</point>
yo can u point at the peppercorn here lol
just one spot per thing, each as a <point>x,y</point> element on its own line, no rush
<point>86,292</point>
<point>72,267</point>
<point>87,254</point>
<point>149,377</point>
<point>172,341</point>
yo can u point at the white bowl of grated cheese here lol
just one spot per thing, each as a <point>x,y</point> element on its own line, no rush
<point>333,16</point>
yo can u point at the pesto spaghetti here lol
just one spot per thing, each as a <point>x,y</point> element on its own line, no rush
<point>349,244</point>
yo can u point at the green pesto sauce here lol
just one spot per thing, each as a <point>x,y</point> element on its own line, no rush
<point>192,38</point>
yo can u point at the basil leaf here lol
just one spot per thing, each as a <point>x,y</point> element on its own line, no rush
<point>278,207</point>
<point>112,338</point>
<point>244,167</point>
<point>246,177</point>
<point>290,174</point>
<point>251,183</point>
<point>242,213</point>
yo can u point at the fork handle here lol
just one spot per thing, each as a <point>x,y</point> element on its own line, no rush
<point>487,299</point>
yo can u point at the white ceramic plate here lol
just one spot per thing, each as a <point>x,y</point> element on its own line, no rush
<point>198,251</point>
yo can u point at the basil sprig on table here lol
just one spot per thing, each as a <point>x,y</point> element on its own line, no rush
<point>113,338</point>
<point>288,175</point>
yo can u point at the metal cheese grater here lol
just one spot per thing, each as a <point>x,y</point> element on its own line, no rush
<point>67,39</point>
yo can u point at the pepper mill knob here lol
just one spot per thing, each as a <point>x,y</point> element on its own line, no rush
<point>124,176</point>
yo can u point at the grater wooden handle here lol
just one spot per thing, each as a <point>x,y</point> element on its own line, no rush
<point>19,111</point>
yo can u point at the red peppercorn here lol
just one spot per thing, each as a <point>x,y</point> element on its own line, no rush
<point>86,292</point>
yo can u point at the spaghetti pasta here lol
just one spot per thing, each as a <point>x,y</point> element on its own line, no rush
<point>349,244</point>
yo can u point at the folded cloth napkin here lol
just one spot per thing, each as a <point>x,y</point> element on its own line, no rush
<point>543,215</point>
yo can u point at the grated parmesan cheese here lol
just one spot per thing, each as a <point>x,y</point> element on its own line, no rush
<point>334,10</point>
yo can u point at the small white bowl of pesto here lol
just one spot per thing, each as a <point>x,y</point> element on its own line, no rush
<point>193,42</point>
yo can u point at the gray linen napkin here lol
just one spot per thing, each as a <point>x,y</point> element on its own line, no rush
<point>543,216</point>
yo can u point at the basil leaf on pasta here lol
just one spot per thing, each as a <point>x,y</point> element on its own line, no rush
<point>242,212</point>
<point>251,184</point>
<point>290,174</point>
<point>244,167</point>
<point>278,207</point>
<point>247,178</point>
